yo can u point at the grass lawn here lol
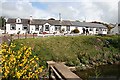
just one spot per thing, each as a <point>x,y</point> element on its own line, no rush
<point>75,49</point>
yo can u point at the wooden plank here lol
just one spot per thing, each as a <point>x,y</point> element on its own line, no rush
<point>56,73</point>
<point>65,72</point>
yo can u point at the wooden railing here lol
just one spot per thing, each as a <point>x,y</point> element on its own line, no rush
<point>59,71</point>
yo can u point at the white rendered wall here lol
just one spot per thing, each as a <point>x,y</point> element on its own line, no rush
<point>44,28</point>
<point>32,29</point>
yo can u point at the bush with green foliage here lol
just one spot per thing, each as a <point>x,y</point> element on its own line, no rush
<point>75,31</point>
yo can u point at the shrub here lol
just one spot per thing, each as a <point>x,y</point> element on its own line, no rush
<point>62,30</point>
<point>70,63</point>
<point>19,64</point>
<point>75,31</point>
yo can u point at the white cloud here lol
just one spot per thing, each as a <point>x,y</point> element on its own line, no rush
<point>119,12</point>
<point>0,8</point>
<point>109,10</point>
<point>21,9</point>
<point>16,9</point>
<point>74,10</point>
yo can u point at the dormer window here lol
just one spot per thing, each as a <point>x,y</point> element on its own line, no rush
<point>18,20</point>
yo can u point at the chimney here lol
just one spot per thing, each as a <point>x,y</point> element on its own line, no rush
<point>59,16</point>
<point>31,18</point>
<point>6,19</point>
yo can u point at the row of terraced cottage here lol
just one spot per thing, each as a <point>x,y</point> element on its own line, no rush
<point>15,25</point>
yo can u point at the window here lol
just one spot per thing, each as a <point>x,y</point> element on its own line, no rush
<point>25,27</point>
<point>57,28</point>
<point>100,29</point>
<point>97,29</point>
<point>68,28</point>
<point>12,27</point>
<point>37,27</point>
<point>46,27</point>
<point>105,30</point>
<point>18,20</point>
<point>91,29</point>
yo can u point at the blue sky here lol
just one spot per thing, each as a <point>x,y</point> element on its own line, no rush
<point>89,10</point>
<point>39,5</point>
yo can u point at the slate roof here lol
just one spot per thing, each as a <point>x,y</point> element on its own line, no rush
<point>51,22</point>
<point>54,22</point>
<point>25,21</point>
<point>13,20</point>
<point>41,21</point>
<point>38,21</point>
<point>57,22</point>
<point>86,24</point>
<point>66,22</point>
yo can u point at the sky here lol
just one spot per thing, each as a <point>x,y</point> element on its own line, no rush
<point>119,12</point>
<point>87,10</point>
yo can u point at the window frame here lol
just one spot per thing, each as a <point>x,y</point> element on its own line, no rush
<point>47,26</point>
<point>91,29</point>
<point>97,29</point>
<point>68,28</point>
<point>57,28</point>
<point>11,27</point>
<point>23,28</point>
<point>36,27</point>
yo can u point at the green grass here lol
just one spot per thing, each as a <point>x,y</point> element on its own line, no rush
<point>74,50</point>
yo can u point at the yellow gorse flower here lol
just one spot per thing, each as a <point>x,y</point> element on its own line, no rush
<point>19,63</point>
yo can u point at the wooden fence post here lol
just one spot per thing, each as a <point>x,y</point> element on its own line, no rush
<point>18,34</point>
<point>33,35</point>
<point>25,35</point>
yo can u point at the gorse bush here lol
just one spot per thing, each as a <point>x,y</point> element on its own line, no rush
<point>20,64</point>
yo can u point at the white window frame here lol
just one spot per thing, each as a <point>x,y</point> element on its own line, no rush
<point>23,28</point>
<point>36,27</point>
<point>67,28</point>
<point>47,28</point>
<point>57,28</point>
<point>12,26</point>
<point>91,29</point>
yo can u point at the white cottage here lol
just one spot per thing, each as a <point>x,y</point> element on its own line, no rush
<point>92,28</point>
<point>22,26</point>
<point>49,26</point>
<point>14,26</point>
<point>115,29</point>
